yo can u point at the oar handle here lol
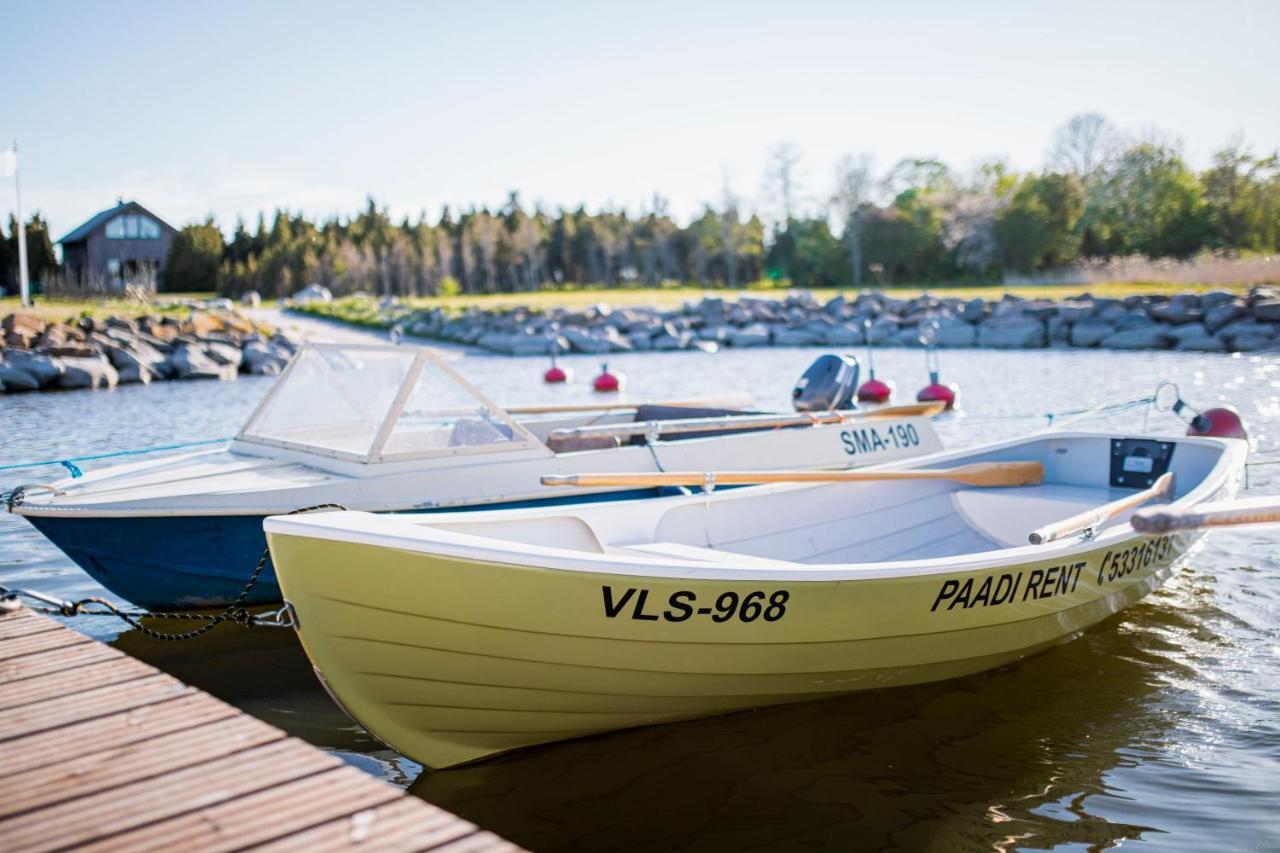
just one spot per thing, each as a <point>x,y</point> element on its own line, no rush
<point>1093,518</point>
<point>1227,514</point>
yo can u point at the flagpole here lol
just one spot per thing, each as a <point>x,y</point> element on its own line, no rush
<point>23,283</point>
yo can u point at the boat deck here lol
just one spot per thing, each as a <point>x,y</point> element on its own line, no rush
<point>105,752</point>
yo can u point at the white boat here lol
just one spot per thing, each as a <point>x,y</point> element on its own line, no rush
<point>382,428</point>
<point>453,637</point>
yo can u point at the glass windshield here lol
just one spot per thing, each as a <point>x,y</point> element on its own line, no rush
<point>379,403</point>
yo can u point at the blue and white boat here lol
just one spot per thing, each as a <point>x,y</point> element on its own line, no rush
<point>396,429</point>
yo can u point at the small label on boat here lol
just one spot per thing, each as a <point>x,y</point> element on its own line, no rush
<point>1139,464</point>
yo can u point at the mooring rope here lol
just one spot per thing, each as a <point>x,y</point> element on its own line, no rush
<point>234,612</point>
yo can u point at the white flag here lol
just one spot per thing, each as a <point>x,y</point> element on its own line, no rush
<point>8,163</point>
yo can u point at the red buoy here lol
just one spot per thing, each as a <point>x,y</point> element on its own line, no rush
<point>1222,422</point>
<point>555,373</point>
<point>936,390</point>
<point>875,391</point>
<point>607,381</point>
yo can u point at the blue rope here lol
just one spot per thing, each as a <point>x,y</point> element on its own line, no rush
<point>69,463</point>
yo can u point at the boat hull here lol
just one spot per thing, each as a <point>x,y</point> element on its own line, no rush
<point>449,660</point>
<point>176,562</point>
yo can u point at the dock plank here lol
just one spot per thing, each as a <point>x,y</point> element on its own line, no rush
<point>54,660</point>
<point>109,732</point>
<point>106,752</point>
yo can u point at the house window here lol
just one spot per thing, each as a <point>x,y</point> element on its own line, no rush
<point>132,226</point>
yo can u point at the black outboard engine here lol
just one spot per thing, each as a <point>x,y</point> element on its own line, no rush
<point>829,383</point>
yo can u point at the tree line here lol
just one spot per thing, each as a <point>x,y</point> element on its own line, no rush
<point>1101,193</point>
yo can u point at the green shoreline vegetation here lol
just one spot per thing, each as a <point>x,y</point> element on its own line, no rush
<point>1102,199</point>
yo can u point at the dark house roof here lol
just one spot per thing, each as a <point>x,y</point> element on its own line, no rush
<point>98,219</point>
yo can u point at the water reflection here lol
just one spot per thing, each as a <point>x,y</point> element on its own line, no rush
<point>1009,758</point>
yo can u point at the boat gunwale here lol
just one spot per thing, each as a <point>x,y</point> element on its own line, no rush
<point>435,541</point>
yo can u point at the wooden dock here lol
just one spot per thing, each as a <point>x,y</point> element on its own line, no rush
<point>101,751</point>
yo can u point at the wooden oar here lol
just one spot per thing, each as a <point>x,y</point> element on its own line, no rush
<point>977,474</point>
<point>906,410</point>
<point>1091,519</point>
<point>1219,514</point>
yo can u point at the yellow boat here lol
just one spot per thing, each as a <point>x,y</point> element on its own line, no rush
<point>456,636</point>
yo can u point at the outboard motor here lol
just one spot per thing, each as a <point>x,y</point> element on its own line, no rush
<point>829,383</point>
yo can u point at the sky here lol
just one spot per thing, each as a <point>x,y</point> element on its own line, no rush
<point>233,108</point>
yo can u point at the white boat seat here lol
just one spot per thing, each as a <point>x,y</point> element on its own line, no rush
<point>1008,515</point>
<point>694,552</point>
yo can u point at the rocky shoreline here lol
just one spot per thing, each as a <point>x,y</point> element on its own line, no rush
<point>1215,321</point>
<point>88,353</point>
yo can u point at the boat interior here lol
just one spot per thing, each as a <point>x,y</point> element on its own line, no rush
<point>871,522</point>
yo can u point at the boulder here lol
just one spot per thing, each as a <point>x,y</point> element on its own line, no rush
<point>955,332</point>
<point>1196,339</point>
<point>1223,313</point>
<point>713,332</point>
<point>16,379</point>
<point>224,353</point>
<point>44,368</point>
<point>1148,337</point>
<point>1247,335</point>
<point>1181,309</point>
<point>87,373</point>
<point>497,341</point>
<point>755,335</point>
<point>640,341</point>
<point>835,307</point>
<point>190,362</point>
<point>667,341</point>
<point>251,299</point>
<point>312,293</point>
<point>1090,332</point>
<point>975,311</point>
<point>531,344</point>
<point>135,373</point>
<point>802,336</point>
<point>1215,298</point>
<point>1011,332</point>
<point>1058,332</point>
<point>883,329</point>
<point>846,335</point>
<point>1268,311</point>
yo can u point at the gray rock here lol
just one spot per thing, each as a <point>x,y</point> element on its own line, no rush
<point>716,332</point>
<point>1148,337</point>
<point>87,373</point>
<point>847,335</point>
<point>975,311</point>
<point>1058,331</point>
<point>497,341</point>
<point>190,362</point>
<point>1222,314</point>
<point>640,341</point>
<point>1074,312</point>
<point>130,373</point>
<point>531,344</point>
<point>1267,310</point>
<point>1247,335</point>
<point>755,335</point>
<point>667,341</point>
<point>1196,339</point>
<point>46,369</point>
<point>883,329</point>
<point>836,306</point>
<point>802,336</point>
<point>1090,332</point>
<point>16,379</point>
<point>224,353</point>
<point>1215,298</point>
<point>953,332</point>
<point>262,359</point>
<point>1011,332</point>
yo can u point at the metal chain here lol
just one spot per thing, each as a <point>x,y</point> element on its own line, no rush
<point>234,611</point>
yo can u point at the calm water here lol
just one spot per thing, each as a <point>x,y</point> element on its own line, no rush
<point>1160,728</point>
